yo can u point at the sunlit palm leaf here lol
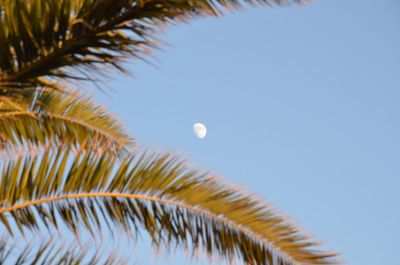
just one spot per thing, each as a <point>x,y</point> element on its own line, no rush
<point>56,119</point>
<point>71,38</point>
<point>53,252</point>
<point>158,193</point>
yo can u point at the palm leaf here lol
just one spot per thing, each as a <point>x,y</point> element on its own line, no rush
<point>157,193</point>
<point>74,38</point>
<point>52,252</point>
<point>56,119</point>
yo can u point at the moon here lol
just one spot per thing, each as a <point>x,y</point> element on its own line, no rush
<point>200,130</point>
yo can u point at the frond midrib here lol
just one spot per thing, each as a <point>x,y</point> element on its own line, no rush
<point>87,125</point>
<point>66,47</point>
<point>33,114</point>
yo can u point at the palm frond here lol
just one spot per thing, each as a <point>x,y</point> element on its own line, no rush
<point>157,193</point>
<point>73,38</point>
<point>52,252</point>
<point>56,119</point>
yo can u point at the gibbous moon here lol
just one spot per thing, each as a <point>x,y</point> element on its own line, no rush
<point>199,130</point>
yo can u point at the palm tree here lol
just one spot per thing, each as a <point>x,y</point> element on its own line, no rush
<point>68,163</point>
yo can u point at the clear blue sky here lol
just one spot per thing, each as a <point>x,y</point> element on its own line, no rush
<point>302,106</point>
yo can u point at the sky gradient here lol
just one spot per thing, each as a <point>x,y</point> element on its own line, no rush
<point>302,106</point>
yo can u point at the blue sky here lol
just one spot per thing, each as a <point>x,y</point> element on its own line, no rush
<point>302,107</point>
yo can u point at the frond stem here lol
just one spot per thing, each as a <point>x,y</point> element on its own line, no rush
<point>18,113</point>
<point>64,118</point>
<point>68,45</point>
<point>87,125</point>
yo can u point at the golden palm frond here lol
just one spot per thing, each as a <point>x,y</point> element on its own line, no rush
<point>53,38</point>
<point>58,119</point>
<point>173,203</point>
<point>52,252</point>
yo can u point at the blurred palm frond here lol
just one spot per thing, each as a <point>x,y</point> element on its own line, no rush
<point>51,251</point>
<point>58,119</point>
<point>75,39</point>
<point>158,193</point>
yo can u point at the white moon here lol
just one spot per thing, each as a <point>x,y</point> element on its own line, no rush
<point>199,130</point>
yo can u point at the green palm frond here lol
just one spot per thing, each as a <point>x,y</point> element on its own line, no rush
<point>52,252</point>
<point>73,38</point>
<point>174,204</point>
<point>56,119</point>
